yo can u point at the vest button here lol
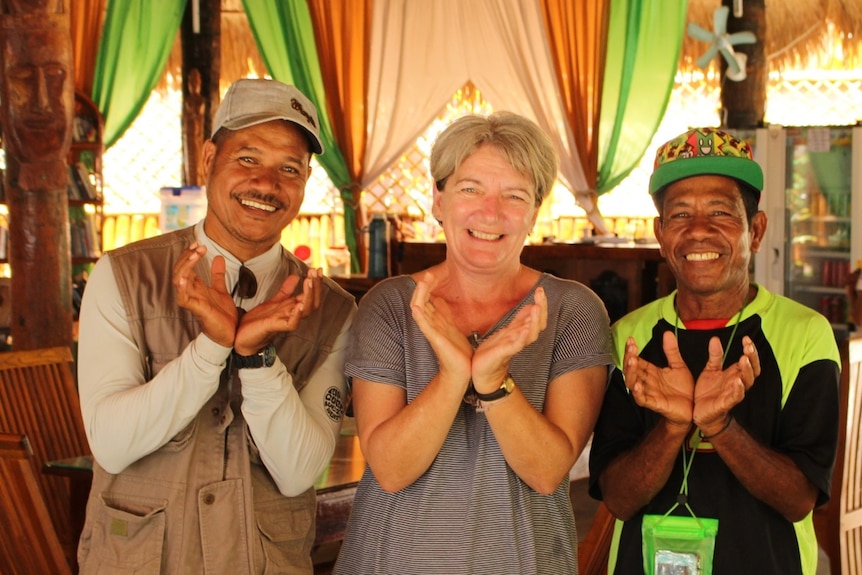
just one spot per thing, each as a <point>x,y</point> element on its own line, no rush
<point>209,498</point>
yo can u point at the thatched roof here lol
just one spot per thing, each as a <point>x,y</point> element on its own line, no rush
<point>823,33</point>
<point>829,31</point>
<point>239,53</point>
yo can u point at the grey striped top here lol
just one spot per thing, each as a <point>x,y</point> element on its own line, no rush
<point>469,513</point>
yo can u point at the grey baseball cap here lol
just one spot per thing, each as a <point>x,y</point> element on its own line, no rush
<point>252,101</point>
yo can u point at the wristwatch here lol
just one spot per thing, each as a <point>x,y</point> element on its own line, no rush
<point>505,389</point>
<point>263,358</point>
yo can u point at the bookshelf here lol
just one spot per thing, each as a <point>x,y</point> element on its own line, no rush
<point>85,182</point>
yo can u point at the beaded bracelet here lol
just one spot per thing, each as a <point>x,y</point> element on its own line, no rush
<point>719,432</point>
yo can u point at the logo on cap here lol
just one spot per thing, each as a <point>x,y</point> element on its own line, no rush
<point>704,151</point>
<point>296,105</point>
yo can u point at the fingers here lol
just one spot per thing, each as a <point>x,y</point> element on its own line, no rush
<point>288,286</point>
<point>747,368</point>
<point>425,309</point>
<point>631,374</point>
<point>671,350</point>
<point>716,355</point>
<point>217,273</point>
<point>422,293</point>
<point>311,292</point>
<point>541,300</point>
<point>750,352</point>
<point>183,272</point>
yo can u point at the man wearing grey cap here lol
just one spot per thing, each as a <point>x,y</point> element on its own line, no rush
<point>210,366</point>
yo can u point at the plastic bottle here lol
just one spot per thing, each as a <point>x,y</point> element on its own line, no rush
<point>378,247</point>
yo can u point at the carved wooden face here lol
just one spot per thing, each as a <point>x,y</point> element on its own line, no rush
<point>37,86</point>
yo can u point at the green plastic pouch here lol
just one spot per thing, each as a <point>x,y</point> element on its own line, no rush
<point>675,545</point>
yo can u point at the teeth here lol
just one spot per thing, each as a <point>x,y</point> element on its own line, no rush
<point>702,257</point>
<point>484,236</point>
<point>258,205</point>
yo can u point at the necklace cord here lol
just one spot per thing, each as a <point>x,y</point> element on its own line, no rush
<point>687,462</point>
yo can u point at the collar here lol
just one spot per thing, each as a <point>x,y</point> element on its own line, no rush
<point>265,266</point>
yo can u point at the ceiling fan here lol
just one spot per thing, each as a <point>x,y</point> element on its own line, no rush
<point>722,42</point>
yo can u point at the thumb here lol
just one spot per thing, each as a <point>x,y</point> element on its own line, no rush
<point>716,354</point>
<point>671,350</point>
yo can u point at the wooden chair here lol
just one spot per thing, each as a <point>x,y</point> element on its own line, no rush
<point>39,399</point>
<point>28,542</point>
<point>838,524</point>
<point>593,549</point>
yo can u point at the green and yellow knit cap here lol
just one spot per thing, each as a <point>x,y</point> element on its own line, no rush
<point>705,151</point>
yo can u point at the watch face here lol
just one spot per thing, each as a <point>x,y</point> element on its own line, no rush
<point>269,355</point>
<point>263,358</point>
<point>508,384</point>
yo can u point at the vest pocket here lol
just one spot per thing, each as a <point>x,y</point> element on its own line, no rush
<point>128,536</point>
<point>286,528</point>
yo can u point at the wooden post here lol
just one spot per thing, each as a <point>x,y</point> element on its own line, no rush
<point>200,35</point>
<point>744,103</point>
<point>36,111</point>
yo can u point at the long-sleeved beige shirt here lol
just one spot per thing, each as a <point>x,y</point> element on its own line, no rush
<point>127,417</point>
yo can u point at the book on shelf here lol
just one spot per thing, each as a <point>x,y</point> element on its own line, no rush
<point>4,240</point>
<point>84,129</point>
<point>84,237</point>
<point>80,186</point>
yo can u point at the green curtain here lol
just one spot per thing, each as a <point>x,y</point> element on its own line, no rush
<point>644,42</point>
<point>285,37</point>
<point>136,41</point>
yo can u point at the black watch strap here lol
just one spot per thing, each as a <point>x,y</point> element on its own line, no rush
<point>264,358</point>
<point>505,389</point>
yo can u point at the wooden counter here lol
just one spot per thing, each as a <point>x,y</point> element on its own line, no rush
<point>625,276</point>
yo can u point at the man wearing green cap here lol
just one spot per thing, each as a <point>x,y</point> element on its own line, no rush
<point>718,432</point>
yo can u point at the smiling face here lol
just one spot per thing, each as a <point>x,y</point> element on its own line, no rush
<point>705,237</point>
<point>255,185</point>
<point>487,209</point>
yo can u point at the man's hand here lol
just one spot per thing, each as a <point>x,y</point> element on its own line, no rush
<point>281,313</point>
<point>668,391</point>
<point>211,305</point>
<point>718,391</point>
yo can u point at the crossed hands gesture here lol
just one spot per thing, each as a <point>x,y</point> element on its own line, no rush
<point>213,305</point>
<point>673,393</point>
<point>488,365</point>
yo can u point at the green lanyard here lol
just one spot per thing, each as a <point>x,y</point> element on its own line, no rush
<point>686,462</point>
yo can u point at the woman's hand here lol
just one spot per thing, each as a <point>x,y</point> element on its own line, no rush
<point>434,318</point>
<point>491,359</point>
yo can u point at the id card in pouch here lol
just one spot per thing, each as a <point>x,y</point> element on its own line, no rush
<point>675,545</point>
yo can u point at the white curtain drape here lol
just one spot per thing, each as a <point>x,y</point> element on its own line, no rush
<point>423,52</point>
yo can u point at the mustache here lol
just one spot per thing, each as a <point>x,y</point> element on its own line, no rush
<point>258,196</point>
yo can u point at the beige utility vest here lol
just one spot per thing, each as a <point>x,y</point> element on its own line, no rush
<point>204,502</point>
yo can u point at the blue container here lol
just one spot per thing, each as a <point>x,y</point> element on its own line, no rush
<point>378,247</point>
